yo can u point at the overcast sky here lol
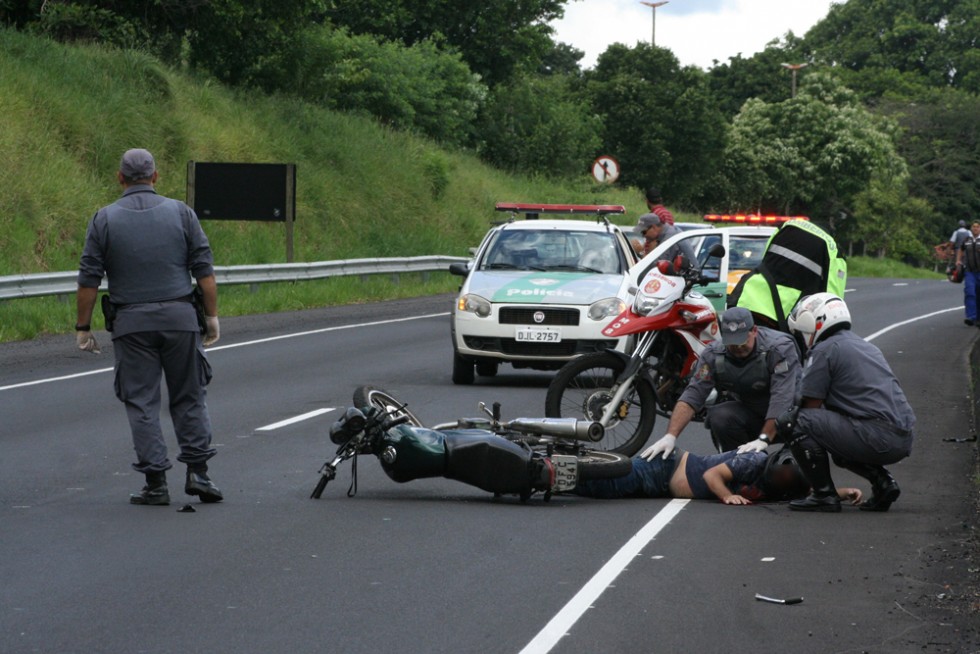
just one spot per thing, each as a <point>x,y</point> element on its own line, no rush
<point>697,31</point>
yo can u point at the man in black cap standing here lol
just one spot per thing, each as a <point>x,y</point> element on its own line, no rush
<point>655,232</point>
<point>757,371</point>
<point>149,246</point>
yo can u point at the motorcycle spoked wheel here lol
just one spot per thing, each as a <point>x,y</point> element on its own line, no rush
<point>385,401</point>
<point>594,464</point>
<point>583,388</point>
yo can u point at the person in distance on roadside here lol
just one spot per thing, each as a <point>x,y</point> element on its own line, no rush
<point>968,256</point>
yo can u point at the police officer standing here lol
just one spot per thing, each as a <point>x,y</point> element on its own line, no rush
<point>852,407</point>
<point>968,255</point>
<point>149,246</point>
<point>757,370</point>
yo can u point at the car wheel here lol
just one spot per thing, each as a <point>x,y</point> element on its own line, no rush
<point>463,374</point>
<point>487,368</point>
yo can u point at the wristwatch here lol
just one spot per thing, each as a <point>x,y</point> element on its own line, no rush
<point>83,328</point>
<point>765,439</point>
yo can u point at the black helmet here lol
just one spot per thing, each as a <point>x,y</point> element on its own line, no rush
<point>793,483</point>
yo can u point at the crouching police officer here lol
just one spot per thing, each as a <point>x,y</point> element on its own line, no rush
<point>149,246</point>
<point>852,407</point>
<point>756,368</point>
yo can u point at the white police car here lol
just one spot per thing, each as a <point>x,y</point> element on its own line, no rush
<point>539,292</point>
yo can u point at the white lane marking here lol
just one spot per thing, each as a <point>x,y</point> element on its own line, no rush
<point>295,419</point>
<point>54,379</point>
<point>325,330</point>
<point>768,559</point>
<point>228,347</point>
<point>909,321</point>
<point>849,290</point>
<point>900,284</point>
<point>559,625</point>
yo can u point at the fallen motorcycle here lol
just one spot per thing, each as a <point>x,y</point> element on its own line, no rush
<point>517,457</point>
<point>624,392</point>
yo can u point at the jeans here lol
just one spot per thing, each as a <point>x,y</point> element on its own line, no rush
<point>646,479</point>
<point>970,282</point>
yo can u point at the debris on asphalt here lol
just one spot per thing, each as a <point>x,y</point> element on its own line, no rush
<point>775,600</point>
<point>187,508</point>
<point>971,439</point>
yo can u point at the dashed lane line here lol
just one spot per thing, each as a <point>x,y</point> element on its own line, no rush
<point>300,418</point>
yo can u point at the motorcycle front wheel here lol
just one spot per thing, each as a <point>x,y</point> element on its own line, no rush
<point>583,388</point>
<point>603,465</point>
<point>370,396</point>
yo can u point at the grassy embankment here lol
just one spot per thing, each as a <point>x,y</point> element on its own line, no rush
<point>363,190</point>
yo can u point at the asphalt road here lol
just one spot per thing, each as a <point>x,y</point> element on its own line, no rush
<point>434,566</point>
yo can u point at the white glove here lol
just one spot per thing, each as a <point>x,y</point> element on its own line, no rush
<point>664,446</point>
<point>86,342</point>
<point>213,331</point>
<point>753,446</point>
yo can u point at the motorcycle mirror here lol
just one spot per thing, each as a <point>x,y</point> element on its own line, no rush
<point>664,267</point>
<point>717,250</point>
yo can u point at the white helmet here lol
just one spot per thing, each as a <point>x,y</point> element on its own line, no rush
<point>814,314</point>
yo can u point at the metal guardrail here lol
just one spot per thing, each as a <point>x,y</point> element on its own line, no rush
<point>64,283</point>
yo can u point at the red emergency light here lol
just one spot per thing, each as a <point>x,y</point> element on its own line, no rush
<point>751,219</point>
<point>591,209</point>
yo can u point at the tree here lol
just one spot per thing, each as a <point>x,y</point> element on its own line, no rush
<point>759,76</point>
<point>658,119</point>
<point>495,38</point>
<point>810,154</point>
<point>535,124</point>
<point>935,40</point>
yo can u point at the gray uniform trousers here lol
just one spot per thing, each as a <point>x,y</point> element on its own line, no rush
<point>141,358</point>
<point>852,440</point>
<point>733,424</point>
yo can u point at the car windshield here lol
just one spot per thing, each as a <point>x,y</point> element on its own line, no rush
<point>746,253</point>
<point>554,250</point>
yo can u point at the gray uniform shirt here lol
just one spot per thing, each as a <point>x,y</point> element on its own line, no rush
<point>177,249</point>
<point>852,377</point>
<point>683,247</point>
<point>782,362</point>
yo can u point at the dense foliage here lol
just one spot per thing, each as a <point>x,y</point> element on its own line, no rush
<point>881,145</point>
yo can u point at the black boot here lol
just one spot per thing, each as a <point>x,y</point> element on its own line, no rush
<point>884,488</point>
<point>815,465</point>
<point>155,492</point>
<point>198,483</point>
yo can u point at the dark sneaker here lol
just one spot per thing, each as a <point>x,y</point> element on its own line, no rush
<point>155,496</point>
<point>199,484</point>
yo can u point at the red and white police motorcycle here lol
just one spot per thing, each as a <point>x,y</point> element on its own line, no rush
<point>673,324</point>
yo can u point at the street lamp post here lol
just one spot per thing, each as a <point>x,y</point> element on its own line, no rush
<point>794,68</point>
<point>653,6</point>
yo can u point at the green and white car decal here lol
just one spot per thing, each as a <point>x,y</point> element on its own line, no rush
<point>521,287</point>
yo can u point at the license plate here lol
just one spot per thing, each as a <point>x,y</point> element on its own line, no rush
<point>566,472</point>
<point>538,335</point>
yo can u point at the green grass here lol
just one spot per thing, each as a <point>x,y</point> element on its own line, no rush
<point>363,190</point>
<point>887,268</point>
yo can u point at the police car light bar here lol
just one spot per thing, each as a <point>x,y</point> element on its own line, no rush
<point>751,219</point>
<point>592,209</point>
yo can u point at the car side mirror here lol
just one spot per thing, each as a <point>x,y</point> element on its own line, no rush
<point>459,269</point>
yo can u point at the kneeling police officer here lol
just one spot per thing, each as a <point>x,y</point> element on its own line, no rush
<point>756,368</point>
<point>852,407</point>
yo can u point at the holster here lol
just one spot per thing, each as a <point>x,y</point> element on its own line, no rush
<point>108,312</point>
<point>197,299</point>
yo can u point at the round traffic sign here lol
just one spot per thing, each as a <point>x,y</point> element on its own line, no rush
<point>605,169</point>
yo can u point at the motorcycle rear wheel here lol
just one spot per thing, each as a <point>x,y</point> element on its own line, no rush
<point>582,389</point>
<point>603,465</point>
<point>385,401</point>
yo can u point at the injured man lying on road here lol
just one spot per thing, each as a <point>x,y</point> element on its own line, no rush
<point>730,477</point>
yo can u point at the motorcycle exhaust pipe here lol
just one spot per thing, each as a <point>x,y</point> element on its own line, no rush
<point>580,430</point>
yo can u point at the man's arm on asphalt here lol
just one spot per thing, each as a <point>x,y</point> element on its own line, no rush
<point>717,479</point>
